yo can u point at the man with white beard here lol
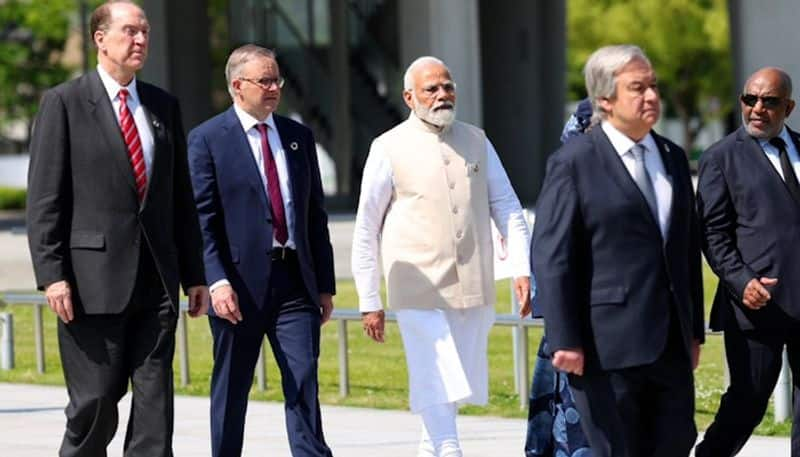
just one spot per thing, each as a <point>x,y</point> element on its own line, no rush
<point>429,189</point>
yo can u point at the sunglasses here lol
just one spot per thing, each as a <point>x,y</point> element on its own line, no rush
<point>766,102</point>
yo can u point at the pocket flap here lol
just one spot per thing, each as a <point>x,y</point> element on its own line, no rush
<point>608,295</point>
<point>87,239</point>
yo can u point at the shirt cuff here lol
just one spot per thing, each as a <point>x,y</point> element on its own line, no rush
<point>370,305</point>
<point>218,284</point>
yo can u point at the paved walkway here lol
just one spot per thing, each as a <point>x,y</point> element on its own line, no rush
<point>32,421</point>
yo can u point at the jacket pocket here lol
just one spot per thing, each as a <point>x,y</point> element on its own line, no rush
<point>608,296</point>
<point>85,239</point>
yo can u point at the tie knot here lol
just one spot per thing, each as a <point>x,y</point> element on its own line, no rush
<point>262,128</point>
<point>638,151</point>
<point>778,143</point>
<point>123,95</point>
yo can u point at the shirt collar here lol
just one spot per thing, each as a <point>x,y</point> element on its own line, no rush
<point>248,122</point>
<point>622,143</point>
<point>784,135</point>
<point>112,86</point>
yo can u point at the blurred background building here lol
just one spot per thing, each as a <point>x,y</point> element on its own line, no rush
<point>517,64</point>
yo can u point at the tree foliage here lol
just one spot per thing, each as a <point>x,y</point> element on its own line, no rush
<point>687,42</point>
<point>33,41</point>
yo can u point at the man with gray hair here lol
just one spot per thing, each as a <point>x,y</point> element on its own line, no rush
<point>268,256</point>
<point>749,202</point>
<point>430,187</point>
<point>616,257</point>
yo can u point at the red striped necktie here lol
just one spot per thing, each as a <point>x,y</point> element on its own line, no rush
<point>131,136</point>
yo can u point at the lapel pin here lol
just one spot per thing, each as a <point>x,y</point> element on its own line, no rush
<point>293,145</point>
<point>156,124</point>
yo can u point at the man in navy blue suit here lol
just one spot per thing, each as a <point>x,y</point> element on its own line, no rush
<point>268,257</point>
<point>616,257</point>
<point>749,202</point>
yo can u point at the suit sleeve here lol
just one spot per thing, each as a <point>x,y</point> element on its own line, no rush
<point>695,267</point>
<point>209,206</point>
<point>718,221</point>
<point>187,230</point>
<point>555,257</point>
<point>49,198</point>
<point>319,238</point>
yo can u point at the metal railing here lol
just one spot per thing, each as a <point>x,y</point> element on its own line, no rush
<point>782,394</point>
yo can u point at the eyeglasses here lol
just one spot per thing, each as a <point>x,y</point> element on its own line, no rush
<point>267,83</point>
<point>766,102</point>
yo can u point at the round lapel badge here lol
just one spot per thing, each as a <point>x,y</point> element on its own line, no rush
<point>293,145</point>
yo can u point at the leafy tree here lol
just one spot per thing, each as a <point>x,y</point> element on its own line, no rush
<point>687,42</point>
<point>33,40</point>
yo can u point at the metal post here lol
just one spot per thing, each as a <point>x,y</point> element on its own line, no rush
<point>522,372</point>
<point>344,375</point>
<point>516,331</point>
<point>38,330</point>
<point>261,369</point>
<point>6,341</point>
<point>783,392</point>
<point>183,348</point>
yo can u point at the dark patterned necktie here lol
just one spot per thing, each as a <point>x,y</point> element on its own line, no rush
<point>789,178</point>
<point>273,189</point>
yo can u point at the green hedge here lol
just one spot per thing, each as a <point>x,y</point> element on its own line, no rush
<point>12,198</point>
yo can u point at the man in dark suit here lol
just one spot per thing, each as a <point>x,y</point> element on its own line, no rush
<point>616,257</point>
<point>749,203</point>
<point>268,256</point>
<point>113,229</point>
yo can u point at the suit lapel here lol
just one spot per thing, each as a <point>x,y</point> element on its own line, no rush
<point>103,113</point>
<point>671,166</point>
<point>754,155</point>
<point>240,155</point>
<point>613,164</point>
<point>292,145</point>
<point>158,130</point>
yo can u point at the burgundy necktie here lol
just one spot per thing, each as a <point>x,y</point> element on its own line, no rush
<point>273,189</point>
<point>131,136</point>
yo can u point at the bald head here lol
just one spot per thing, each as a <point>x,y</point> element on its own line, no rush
<point>766,102</point>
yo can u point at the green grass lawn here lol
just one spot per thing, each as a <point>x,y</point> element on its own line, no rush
<point>378,376</point>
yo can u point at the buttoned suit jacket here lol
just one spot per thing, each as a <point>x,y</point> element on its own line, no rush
<point>751,228</point>
<point>607,281</point>
<point>85,223</point>
<point>235,214</point>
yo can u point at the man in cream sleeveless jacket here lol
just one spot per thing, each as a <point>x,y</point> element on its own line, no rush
<point>429,189</point>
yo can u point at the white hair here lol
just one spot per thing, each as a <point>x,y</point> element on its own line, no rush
<point>408,78</point>
<point>601,72</point>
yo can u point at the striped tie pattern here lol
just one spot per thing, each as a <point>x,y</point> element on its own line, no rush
<point>131,136</point>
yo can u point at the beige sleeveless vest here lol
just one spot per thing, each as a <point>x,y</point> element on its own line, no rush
<point>436,240</point>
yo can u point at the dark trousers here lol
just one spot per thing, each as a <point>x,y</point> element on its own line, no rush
<point>100,354</point>
<point>291,322</point>
<point>754,360</point>
<point>643,411</point>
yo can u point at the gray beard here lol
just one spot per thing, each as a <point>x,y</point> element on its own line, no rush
<point>440,118</point>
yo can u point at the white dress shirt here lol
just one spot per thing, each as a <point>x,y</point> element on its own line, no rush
<point>376,196</point>
<point>139,116</point>
<point>249,125</point>
<point>774,155</point>
<point>662,184</point>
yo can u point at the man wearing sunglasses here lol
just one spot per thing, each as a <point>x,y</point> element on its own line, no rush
<point>268,256</point>
<point>749,204</point>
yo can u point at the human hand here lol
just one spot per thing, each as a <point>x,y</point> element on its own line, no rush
<point>326,301</point>
<point>373,323</point>
<point>695,353</point>
<point>755,294</point>
<point>522,289</point>
<point>226,304</point>
<point>198,300</point>
<point>569,360</point>
<point>59,297</point>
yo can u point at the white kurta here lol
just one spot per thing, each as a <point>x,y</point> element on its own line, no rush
<point>446,350</point>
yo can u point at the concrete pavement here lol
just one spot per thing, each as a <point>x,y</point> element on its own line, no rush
<point>32,423</point>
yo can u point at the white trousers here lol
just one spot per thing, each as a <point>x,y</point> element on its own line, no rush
<point>446,355</point>
<point>439,435</point>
